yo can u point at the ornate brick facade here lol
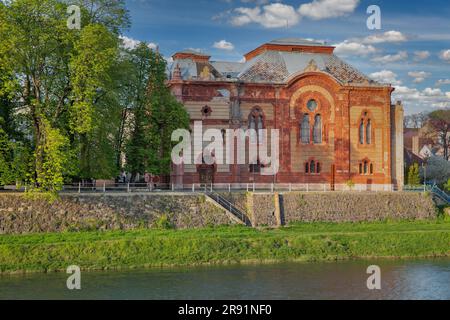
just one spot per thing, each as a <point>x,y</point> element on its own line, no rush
<point>335,124</point>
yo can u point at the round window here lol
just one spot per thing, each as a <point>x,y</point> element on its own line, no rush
<point>312,105</point>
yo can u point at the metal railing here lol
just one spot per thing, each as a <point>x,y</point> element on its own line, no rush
<point>231,207</point>
<point>105,187</point>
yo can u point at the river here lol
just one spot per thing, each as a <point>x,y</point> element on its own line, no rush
<point>400,279</point>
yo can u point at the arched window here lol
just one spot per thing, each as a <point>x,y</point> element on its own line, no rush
<point>366,167</point>
<point>256,123</point>
<point>369,132</point>
<point>305,129</point>
<point>252,126</point>
<point>317,129</point>
<point>361,132</point>
<point>307,167</point>
<point>318,169</point>
<point>260,127</point>
<point>312,167</point>
<point>365,130</point>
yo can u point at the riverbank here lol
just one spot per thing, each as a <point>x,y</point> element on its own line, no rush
<point>223,245</point>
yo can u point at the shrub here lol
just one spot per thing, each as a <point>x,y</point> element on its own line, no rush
<point>164,223</point>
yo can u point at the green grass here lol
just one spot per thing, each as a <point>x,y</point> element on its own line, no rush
<point>223,245</point>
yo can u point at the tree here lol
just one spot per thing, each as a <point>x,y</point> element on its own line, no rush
<point>437,170</point>
<point>413,175</point>
<point>156,115</point>
<point>59,80</point>
<point>440,128</point>
<point>416,121</point>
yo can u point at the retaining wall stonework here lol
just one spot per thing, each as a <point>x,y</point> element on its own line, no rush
<point>342,207</point>
<point>131,211</point>
<point>20,215</point>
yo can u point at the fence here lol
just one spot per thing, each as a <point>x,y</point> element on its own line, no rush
<point>231,187</point>
<point>248,187</point>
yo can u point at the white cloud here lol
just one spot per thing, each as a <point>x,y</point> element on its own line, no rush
<point>419,76</point>
<point>400,56</point>
<point>130,43</point>
<point>223,45</point>
<point>445,55</point>
<point>429,98</point>
<point>322,9</point>
<point>447,94</point>
<point>421,55</point>
<point>386,76</point>
<point>430,92</point>
<point>387,37</point>
<point>275,15</point>
<point>442,82</point>
<point>348,48</point>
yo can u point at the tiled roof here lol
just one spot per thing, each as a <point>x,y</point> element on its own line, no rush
<point>272,66</point>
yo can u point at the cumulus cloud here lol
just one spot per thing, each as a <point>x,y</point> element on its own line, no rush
<point>419,76</point>
<point>223,45</point>
<point>427,98</point>
<point>323,9</point>
<point>387,37</point>
<point>275,15</point>
<point>279,15</point>
<point>385,76</point>
<point>348,48</point>
<point>442,82</point>
<point>390,58</point>
<point>130,43</point>
<point>445,55</point>
<point>421,55</point>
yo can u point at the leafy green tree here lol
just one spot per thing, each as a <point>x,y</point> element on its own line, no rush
<point>414,175</point>
<point>155,118</point>
<point>59,80</point>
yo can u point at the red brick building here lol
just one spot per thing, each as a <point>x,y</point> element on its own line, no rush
<point>336,125</point>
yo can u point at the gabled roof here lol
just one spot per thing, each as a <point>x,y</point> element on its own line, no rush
<point>275,62</point>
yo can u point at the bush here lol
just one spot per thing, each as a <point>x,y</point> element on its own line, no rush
<point>164,223</point>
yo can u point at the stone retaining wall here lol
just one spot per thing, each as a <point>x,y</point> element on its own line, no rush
<point>106,212</point>
<point>126,212</point>
<point>341,207</point>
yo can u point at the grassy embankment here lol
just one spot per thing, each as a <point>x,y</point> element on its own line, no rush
<point>151,248</point>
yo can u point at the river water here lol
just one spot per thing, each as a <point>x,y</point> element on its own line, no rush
<point>406,279</point>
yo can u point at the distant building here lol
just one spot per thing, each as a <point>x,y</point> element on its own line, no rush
<point>335,123</point>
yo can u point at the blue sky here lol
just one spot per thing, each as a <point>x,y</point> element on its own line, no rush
<point>411,51</point>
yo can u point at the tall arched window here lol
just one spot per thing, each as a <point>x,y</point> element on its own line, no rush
<point>361,132</point>
<point>305,129</point>
<point>317,129</point>
<point>260,127</point>
<point>369,132</point>
<point>312,167</point>
<point>256,122</point>
<point>365,130</point>
<point>252,126</point>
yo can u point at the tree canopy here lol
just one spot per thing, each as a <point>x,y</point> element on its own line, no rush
<point>72,99</point>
